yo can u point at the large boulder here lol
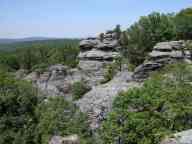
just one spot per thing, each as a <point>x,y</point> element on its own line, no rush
<point>184,137</point>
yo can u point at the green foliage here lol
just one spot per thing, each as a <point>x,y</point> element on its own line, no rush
<point>59,117</point>
<point>145,33</point>
<point>111,70</point>
<point>30,55</point>
<point>42,67</point>
<point>117,30</point>
<point>47,43</point>
<point>145,115</point>
<point>26,119</point>
<point>79,89</point>
<point>9,60</point>
<point>183,22</point>
<point>17,111</point>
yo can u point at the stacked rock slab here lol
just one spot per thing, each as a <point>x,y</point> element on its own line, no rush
<point>163,53</point>
<point>96,54</point>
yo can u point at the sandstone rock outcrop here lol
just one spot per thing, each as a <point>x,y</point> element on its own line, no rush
<point>96,54</point>
<point>73,139</point>
<point>98,101</point>
<point>184,137</point>
<point>163,53</point>
<point>56,81</point>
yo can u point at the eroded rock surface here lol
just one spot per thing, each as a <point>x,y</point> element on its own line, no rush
<point>184,137</point>
<point>56,81</point>
<point>163,53</point>
<point>73,139</point>
<point>96,54</point>
<point>99,100</point>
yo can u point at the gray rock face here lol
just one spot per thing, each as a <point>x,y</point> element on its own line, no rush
<point>20,74</point>
<point>73,139</point>
<point>184,137</point>
<point>98,101</point>
<point>96,54</point>
<point>56,81</point>
<point>94,57</point>
<point>163,53</point>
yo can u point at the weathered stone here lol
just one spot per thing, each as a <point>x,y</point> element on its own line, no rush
<point>56,81</point>
<point>96,54</point>
<point>93,70</point>
<point>58,71</point>
<point>163,53</point>
<point>73,139</point>
<point>32,77</point>
<point>143,71</point>
<point>20,74</point>
<point>184,137</point>
<point>108,45</point>
<point>98,101</point>
<point>88,44</point>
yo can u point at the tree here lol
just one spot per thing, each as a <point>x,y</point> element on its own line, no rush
<point>147,114</point>
<point>60,117</point>
<point>117,30</point>
<point>183,22</point>
<point>145,33</point>
<point>17,111</point>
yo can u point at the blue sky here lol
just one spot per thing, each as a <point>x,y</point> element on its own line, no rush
<point>75,18</point>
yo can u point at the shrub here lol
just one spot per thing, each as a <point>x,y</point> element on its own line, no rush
<point>145,33</point>
<point>79,89</point>
<point>145,115</point>
<point>17,111</point>
<point>40,67</point>
<point>111,70</point>
<point>59,117</point>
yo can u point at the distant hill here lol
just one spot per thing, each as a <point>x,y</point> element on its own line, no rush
<point>8,41</point>
<point>13,44</point>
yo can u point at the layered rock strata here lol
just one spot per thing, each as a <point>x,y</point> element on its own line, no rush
<point>56,81</point>
<point>96,54</point>
<point>163,53</point>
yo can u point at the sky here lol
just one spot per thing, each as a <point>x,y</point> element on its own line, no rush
<point>75,18</point>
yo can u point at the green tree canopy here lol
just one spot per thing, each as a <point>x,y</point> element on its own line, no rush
<point>183,21</point>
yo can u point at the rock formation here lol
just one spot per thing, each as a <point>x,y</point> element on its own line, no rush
<point>56,81</point>
<point>184,137</point>
<point>163,53</point>
<point>96,54</point>
<point>98,101</point>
